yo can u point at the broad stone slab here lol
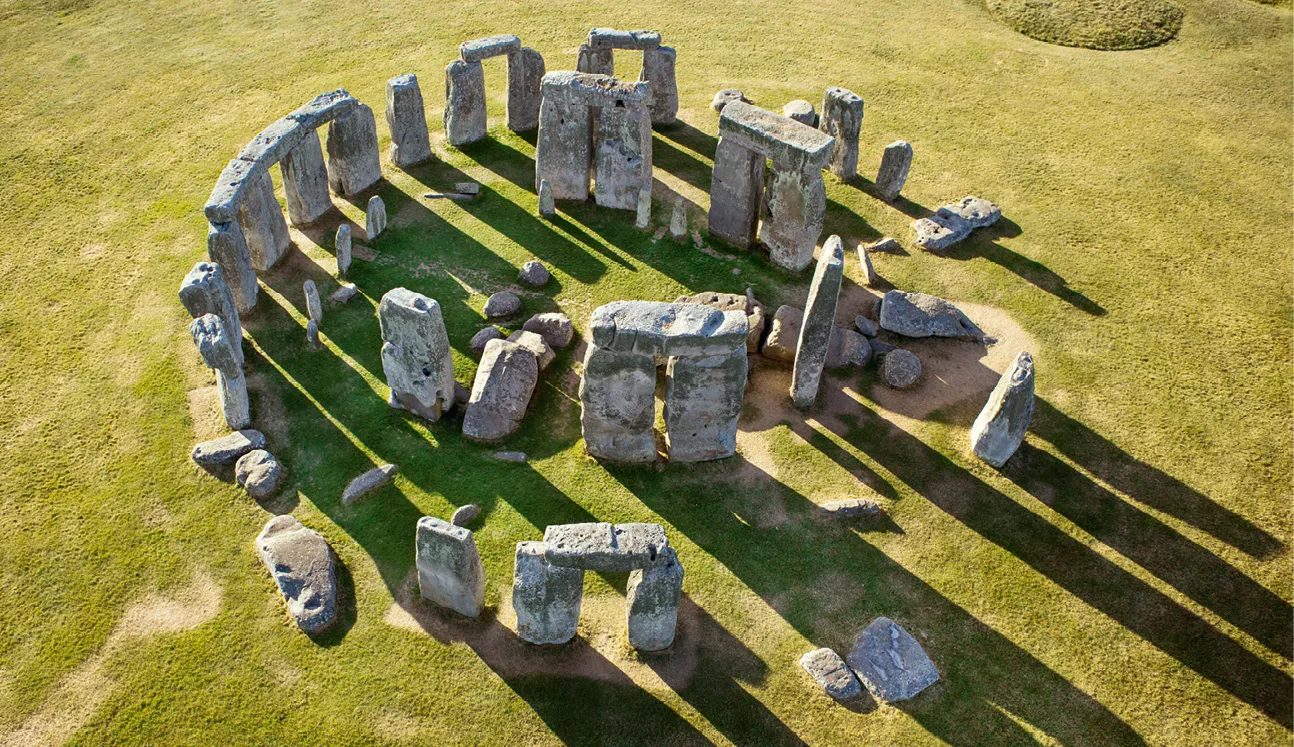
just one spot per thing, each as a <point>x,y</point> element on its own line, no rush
<point>407,121</point>
<point>415,354</point>
<point>617,405</point>
<point>562,153</point>
<point>263,223</point>
<point>736,193</point>
<point>600,546</point>
<point>819,318</point>
<point>491,46</point>
<point>324,108</point>
<point>525,94</point>
<point>354,163</point>
<point>555,328</point>
<point>893,172</point>
<point>703,398</point>
<point>304,568</point>
<point>374,218</point>
<point>501,393</point>
<point>850,507</point>
<point>746,304</point>
<point>623,159</point>
<point>842,118</point>
<point>535,344</point>
<point>600,90</point>
<point>658,70</point>
<point>978,212</point>
<point>545,597</point>
<point>890,662</point>
<point>651,603</point>
<point>1000,427</point>
<point>655,328</point>
<point>449,567</point>
<point>602,38</point>
<point>921,315</point>
<point>786,142</point>
<point>367,483</point>
<point>725,97</point>
<point>941,230</point>
<point>831,673</point>
<point>464,102</point>
<point>205,291</point>
<point>227,449</point>
<point>795,209</point>
<point>595,61</point>
<point>305,181</point>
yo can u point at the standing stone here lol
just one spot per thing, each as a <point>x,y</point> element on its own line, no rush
<point>795,208</point>
<point>545,597</point>
<point>842,118</point>
<point>893,173</point>
<point>312,336</point>
<point>736,192</point>
<point>658,70</point>
<point>869,272</point>
<point>830,672</point>
<point>642,218</point>
<point>525,75</point>
<point>890,662</point>
<point>725,97</point>
<point>703,398</point>
<point>901,368</point>
<point>204,291</point>
<point>217,351</point>
<point>819,317</point>
<point>505,382</point>
<point>263,223</point>
<point>407,121</point>
<point>801,111</point>
<point>600,61</point>
<point>651,603</point>
<point>623,165</point>
<point>450,573</point>
<point>227,247</point>
<point>999,430</point>
<point>546,206</point>
<point>354,163</point>
<point>415,354</point>
<point>618,399</point>
<point>305,181</point>
<point>678,219</point>
<point>314,307</point>
<point>304,569</point>
<point>464,102</point>
<point>562,150</point>
<point>342,245</point>
<point>375,218</point>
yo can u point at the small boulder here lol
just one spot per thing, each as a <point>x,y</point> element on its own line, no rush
<point>847,348</point>
<point>784,335</point>
<point>258,472</point>
<point>890,662</point>
<point>305,570</point>
<point>921,315</point>
<point>555,328</point>
<point>367,483</point>
<point>534,274</point>
<point>831,673</point>
<point>866,326</point>
<point>344,293</point>
<point>227,449</point>
<point>478,341</point>
<point>465,514</point>
<point>886,245</point>
<point>801,111</point>
<point>503,303</point>
<point>535,344</point>
<point>727,96</point>
<point>901,368</point>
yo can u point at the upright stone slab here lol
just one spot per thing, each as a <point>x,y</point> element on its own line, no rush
<point>407,121</point>
<point>658,70</point>
<point>204,291</point>
<point>642,215</point>
<point>623,163</point>
<point>599,61</point>
<point>736,193</point>
<point>464,102</point>
<point>562,149</point>
<point>505,382</point>
<point>651,603</point>
<point>525,93</point>
<point>415,354</point>
<point>217,351</point>
<point>546,206</point>
<point>314,307</point>
<point>795,209</point>
<point>819,317</point>
<point>303,568</point>
<point>450,573</point>
<point>374,218</point>
<point>893,173</point>
<point>842,118</point>
<point>305,181</point>
<point>678,219</point>
<point>890,662</point>
<point>545,597</point>
<point>263,223</point>
<point>342,248</point>
<point>227,247</point>
<point>354,163</point>
<point>703,398</point>
<point>999,430</point>
<point>618,405</point>
<point>599,546</point>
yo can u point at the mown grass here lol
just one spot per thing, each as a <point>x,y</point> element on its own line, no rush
<point>1093,24</point>
<point>1125,580</point>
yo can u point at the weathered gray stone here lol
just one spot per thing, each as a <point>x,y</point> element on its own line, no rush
<point>678,219</point>
<point>890,662</point>
<point>503,303</point>
<point>726,96</point>
<point>375,218</point>
<point>866,326</point>
<point>467,188</point>
<point>978,212</point>
<point>478,341</point>
<point>787,143</point>
<point>312,336</point>
<point>534,274</point>
<point>623,158</point>
<point>602,38</point>
<point>342,247</point>
<point>830,672</point>
<point>415,354</point>
<point>850,507</point>
<point>505,381</point>
<point>642,214</point>
<point>746,304</point>
<point>259,473</point>
<point>215,347</point>
<point>757,318</point>
<point>227,195</point>
<point>658,70</point>
<point>599,90</point>
<point>305,570</point>
<point>305,181</point>
<point>886,245</point>
<point>869,272</point>
<point>554,327</point>
<point>367,483</point>
<point>464,102</point>
<point>450,573</point>
<point>314,307</point>
<point>526,72</point>
<point>901,368</point>
<point>617,401</point>
<point>651,603</point>
<point>535,344</point>
<point>273,143</point>
<point>354,163</point>
<point>921,315</point>
<point>842,118</point>
<point>407,121</point>
<point>227,247</point>
<point>819,318</point>
<point>546,206</point>
<point>263,223</point>
<point>465,514</point>
<point>801,111</point>
<point>324,108</point>
<point>562,152</point>
<point>736,193</point>
<point>893,173</point>
<point>847,348</point>
<point>881,347</point>
<point>795,208</point>
<point>599,546</point>
<point>491,46</point>
<point>657,328</point>
<point>205,291</point>
<point>546,598</point>
<point>227,449</point>
<point>941,230</point>
<point>784,335</point>
<point>703,398</point>
<point>344,293</point>
<point>510,456</point>
<point>1000,427</point>
<point>595,61</point>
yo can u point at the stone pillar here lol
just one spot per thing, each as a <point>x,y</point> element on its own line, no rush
<point>314,308</point>
<point>374,218</point>
<point>842,118</point>
<point>546,206</point>
<point>618,398</point>
<point>545,597</point>
<point>999,430</point>
<point>642,216</point>
<point>205,291</point>
<point>600,61</point>
<point>354,163</point>
<point>263,223</point>
<point>342,247</point>
<point>795,208</point>
<point>562,149</point>
<point>227,247</point>
<point>651,603</point>
<point>658,69</point>
<point>703,398</point>
<point>505,382</point>
<point>525,75</point>
<point>450,573</point>
<point>415,354</point>
<point>893,173</point>
<point>305,181</point>
<point>217,351</point>
<point>622,167</point>
<point>407,121</point>
<point>464,102</point>
<point>819,317</point>
<point>736,189</point>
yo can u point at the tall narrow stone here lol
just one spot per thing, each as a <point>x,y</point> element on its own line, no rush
<point>819,317</point>
<point>305,181</point>
<point>525,77</point>
<point>642,216</point>
<point>263,223</point>
<point>227,247</point>
<point>415,354</point>
<point>736,191</point>
<point>618,401</point>
<point>600,61</point>
<point>205,291</point>
<point>217,351</point>
<point>354,163</point>
<point>450,573</point>
<point>374,218</point>
<point>795,208</point>
<point>658,69</point>
<point>893,173</point>
<point>562,149</point>
<point>651,603</point>
<point>678,219</point>
<point>546,598</point>
<point>342,248</point>
<point>842,118</point>
<point>314,307</point>
<point>1000,428</point>
<point>703,398</point>
<point>407,121</point>
<point>464,102</point>
<point>623,165</point>
<point>546,206</point>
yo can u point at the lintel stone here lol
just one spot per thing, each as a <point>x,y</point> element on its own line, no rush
<point>599,546</point>
<point>615,39</point>
<point>591,89</point>
<point>491,46</point>
<point>779,138</point>
<point>656,328</point>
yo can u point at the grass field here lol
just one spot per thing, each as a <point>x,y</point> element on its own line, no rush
<point>1126,579</point>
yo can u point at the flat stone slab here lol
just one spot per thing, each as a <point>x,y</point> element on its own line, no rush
<point>773,136</point>
<point>922,315</point>
<point>979,213</point>
<point>890,662</point>
<point>614,39</point>
<point>831,673</point>
<point>367,483</point>
<point>304,568</point>
<point>227,449</point>
<point>656,328</point>
<point>600,546</point>
<point>491,46</point>
<point>941,230</point>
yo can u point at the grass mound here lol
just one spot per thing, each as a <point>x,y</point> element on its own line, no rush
<point>1094,24</point>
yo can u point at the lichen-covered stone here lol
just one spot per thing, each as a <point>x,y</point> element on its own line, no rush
<point>921,315</point>
<point>227,449</point>
<point>901,368</point>
<point>525,94</point>
<point>623,157</point>
<point>227,247</point>
<point>263,223</point>
<point>464,102</point>
<point>450,573</point>
<point>312,336</point>
<point>678,219</point>
<point>866,326</point>
<point>656,328</point>
<point>842,118</point>
<point>604,38</point>
<point>344,293</point>
<point>406,119</point>
<point>536,344</point>
<point>342,249</point>
<point>642,212</point>
<point>503,303</point>
<point>890,662</point>
<point>850,507</point>
<point>886,245</point>
<point>554,327</point>
<point>784,335</point>
<point>795,209</point>
<point>479,340</point>
<point>658,70</point>
<point>599,546</point>
<point>736,193</point>
<point>367,483</point>
<point>893,173</point>
<point>801,111</point>
<point>415,354</point>
<point>215,347</point>
<point>205,291</point>
<point>831,673</point>
<point>546,598</point>
<point>305,570</point>
<point>374,218</point>
<point>259,473</point>
<point>505,381</point>
<point>305,181</point>
<point>651,603</point>
<point>617,404</point>
<point>1000,427</point>
<point>819,319</point>
<point>562,152</point>
<point>789,144</point>
<point>978,212</point>
<point>598,61</point>
<point>703,398</point>
<point>354,162</point>
<point>725,97</point>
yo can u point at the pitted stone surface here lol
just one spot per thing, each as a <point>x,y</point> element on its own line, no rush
<point>893,172</point>
<point>595,61</point>
<point>921,315</point>
<point>304,569</point>
<point>655,328</point>
<point>342,247</point>
<point>546,598</point>
<point>407,121</point>
<point>890,662</point>
<point>651,603</point>
<point>354,163</point>
<point>866,326</point>
<point>783,140</point>
<point>491,46</point>
<point>534,274</point>
<point>617,405</point>
<point>901,368</point>
<point>215,346</point>
<point>601,38</point>
<point>449,567</point>
<point>703,398</point>
<point>642,213</point>
<point>324,108</point>
<point>842,118</point>
<point>784,336</point>
<point>622,161</point>
<point>978,212</point>
<point>795,208</point>
<point>205,291</point>
<point>259,473</point>
<point>367,483</point>
<point>736,193</point>
<point>830,672</point>
<point>305,181</point>
<point>801,111</point>
<point>227,247</point>
<point>227,196</point>
<point>1000,427</point>
<point>554,327</point>
<point>525,77</point>
<point>271,144</point>
<point>847,348</point>
<point>227,449</point>
<point>375,218</point>
<point>415,354</point>
<point>599,546</point>
<point>941,230</point>
<point>819,319</point>
<point>658,70</point>
<point>591,89</point>
<point>464,102</point>
<point>562,152</point>
<point>503,303</point>
<point>746,304</point>
<point>505,381</point>
<point>263,223</point>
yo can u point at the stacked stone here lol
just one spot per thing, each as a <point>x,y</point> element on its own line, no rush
<point>465,120</point>
<point>415,354</point>
<point>842,118</point>
<point>216,347</point>
<point>596,56</point>
<point>818,320</point>
<point>794,201</point>
<point>407,121</point>
<point>450,573</point>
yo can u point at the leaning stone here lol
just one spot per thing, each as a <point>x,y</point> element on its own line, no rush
<point>536,344</point>
<point>344,293</point>
<point>866,326</point>
<point>354,163</point>
<point>205,291</point>
<point>678,220</point>
<point>727,96</point>
<point>642,216</point>
<point>890,662</point>
<point>305,570</point>
<point>312,335</point>
<point>314,308</point>
<point>651,603</point>
<point>227,247</point>
<point>555,328</point>
<point>784,335</point>
<point>415,354</point>
<point>449,567</point>
<point>850,507</point>
<point>258,472</point>
<point>227,449</point>
<point>865,261</point>
<point>1000,427</point>
<point>545,598</point>
<point>599,546</point>
<point>819,318</point>
<point>505,382</point>
<point>526,71</point>
<point>479,340</point>
<point>491,46</point>
<point>407,121</point>
<point>941,230</point>
<point>901,368</point>
<point>703,398</point>
<point>534,274</point>
<point>842,118</point>
<point>263,223</point>
<point>830,672</point>
<point>893,173</point>
<point>503,303</point>
<point>921,315</point>
<point>546,206</point>
<point>342,246</point>
<point>847,348</point>
<point>464,102</point>
<point>794,210</point>
<point>801,111</point>
<point>305,181</point>
<point>367,483</point>
<point>465,514</point>
<point>886,245</point>
<point>979,213</point>
<point>375,218</point>
<point>658,69</point>
<point>510,456</point>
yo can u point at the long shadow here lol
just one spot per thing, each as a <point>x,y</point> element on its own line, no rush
<point>680,163</point>
<point>502,159</point>
<point>689,137</point>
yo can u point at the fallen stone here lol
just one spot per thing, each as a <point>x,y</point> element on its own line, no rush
<point>546,598</point>
<point>941,230</point>
<point>546,205</point>
<point>678,220</point>
<point>258,472</point>
<point>407,121</point>
<point>1000,427</point>
<point>651,603</point>
<point>227,449</point>
<point>847,348</point>
<point>866,326</point>
<point>893,173</point>
<point>600,546</point>
<point>890,662</point>
<point>449,567</point>
<point>886,245</point>
<point>801,111</point>
<point>342,247</point>
<point>756,319</point>
<point>461,393</point>
<point>727,96</point>
<point>921,315</point>
<point>312,335</point>
<point>510,456</point>
<point>367,483</point>
<point>505,382</point>
<point>830,672</point>
<point>415,354</point>
<point>303,567</point>
<point>869,273</point>
<point>465,514</point>
<point>344,293</point>
<point>850,507</point>
<point>901,368</point>
<point>536,344</point>
<point>555,328</point>
<point>818,322</point>
<point>534,274</point>
<point>784,334</point>
<point>314,307</point>
<point>375,218</point>
<point>979,213</point>
<point>467,188</point>
<point>479,340</point>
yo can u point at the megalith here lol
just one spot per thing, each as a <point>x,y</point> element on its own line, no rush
<point>205,291</point>
<point>525,77</point>
<point>407,121</point>
<point>505,382</point>
<point>736,192</point>
<point>563,153</point>
<point>703,398</point>
<point>546,598</point>
<point>1000,427</point>
<point>658,70</point>
<point>651,602</point>
<point>596,56</point>
<point>415,354</point>
<point>227,247</point>
<point>819,317</point>
<point>890,662</point>
<point>262,222</point>
<point>842,118</point>
<point>464,102</point>
<point>304,569</point>
<point>305,181</point>
<point>622,165</point>
<point>354,163</point>
<point>450,573</point>
<point>217,350</point>
<point>893,173</point>
<point>595,61</point>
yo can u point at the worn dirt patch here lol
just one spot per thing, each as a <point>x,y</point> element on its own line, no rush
<point>204,411</point>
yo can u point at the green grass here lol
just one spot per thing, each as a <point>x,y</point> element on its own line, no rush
<point>1093,24</point>
<point>1126,579</point>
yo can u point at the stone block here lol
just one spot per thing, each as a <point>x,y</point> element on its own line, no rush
<point>659,71</point>
<point>305,181</point>
<point>599,546</point>
<point>562,151</point>
<point>415,354</point>
<point>342,249</point>
<point>842,118</point>
<point>1000,427</point>
<point>795,209</point>
<point>525,92</point>
<point>505,381</point>
<point>305,570</point>
<point>655,328</point>
<point>374,218</point>
<point>227,247</point>
<point>623,158</point>
<point>617,401</point>
<point>205,291</point>
<point>890,662</point>
<point>784,335</point>
<point>801,111</point>
<point>227,449</point>
<point>595,61</point>
<point>464,102</point>
<point>271,144</point>
<point>725,96</point>
<point>703,398</point>
<point>406,118</point>
<point>819,318</point>
<point>354,163</point>
<point>324,108</point>
<point>263,223</point>
<point>314,307</point>
<point>651,603</point>
<point>831,673</point>
<point>893,173</point>
<point>587,89</point>
<point>786,142</point>
<point>736,193</point>
<point>601,38</point>
<point>545,597</point>
<point>491,46</point>
<point>554,327</point>
<point>450,573</point>
<point>922,315</point>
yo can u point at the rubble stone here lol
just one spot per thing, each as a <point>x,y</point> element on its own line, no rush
<point>258,472</point>
<point>726,96</point>
<point>801,111</point>
<point>479,340</point>
<point>534,274</point>
<point>464,515</point>
<point>525,75</point>
<point>503,303</point>
<point>784,335</point>
<point>901,368</point>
